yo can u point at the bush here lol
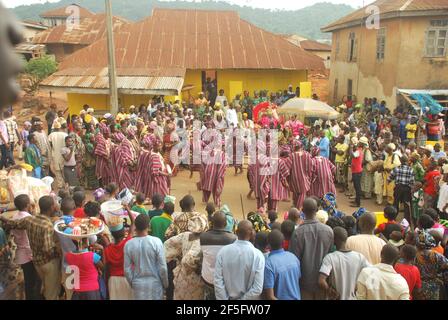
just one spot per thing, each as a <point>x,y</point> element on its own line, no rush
<point>40,68</point>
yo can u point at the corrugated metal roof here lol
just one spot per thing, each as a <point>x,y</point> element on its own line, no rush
<point>99,79</point>
<point>195,39</point>
<point>388,7</point>
<point>29,47</point>
<point>312,45</point>
<point>61,12</point>
<point>89,30</point>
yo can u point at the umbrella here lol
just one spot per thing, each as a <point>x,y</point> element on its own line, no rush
<point>309,108</point>
<point>259,108</point>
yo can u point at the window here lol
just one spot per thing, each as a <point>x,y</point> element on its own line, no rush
<point>335,90</point>
<point>353,47</point>
<point>437,39</point>
<point>380,44</point>
<point>337,47</point>
<point>350,88</point>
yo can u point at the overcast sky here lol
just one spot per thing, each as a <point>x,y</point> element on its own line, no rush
<point>270,4</point>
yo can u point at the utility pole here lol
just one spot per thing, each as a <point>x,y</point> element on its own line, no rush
<point>112,63</point>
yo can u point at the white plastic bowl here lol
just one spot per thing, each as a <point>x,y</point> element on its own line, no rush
<point>113,207</point>
<point>56,229</point>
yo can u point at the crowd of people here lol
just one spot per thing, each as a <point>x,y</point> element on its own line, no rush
<point>176,251</point>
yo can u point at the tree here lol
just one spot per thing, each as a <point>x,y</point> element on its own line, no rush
<point>38,69</point>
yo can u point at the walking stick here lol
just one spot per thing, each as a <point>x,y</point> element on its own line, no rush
<point>242,206</point>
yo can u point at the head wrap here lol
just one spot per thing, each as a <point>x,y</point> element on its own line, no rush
<point>56,125</point>
<point>130,133</point>
<point>90,110</point>
<point>98,194</point>
<point>364,141</point>
<point>153,125</point>
<point>197,224</point>
<point>169,199</point>
<point>425,240</point>
<point>148,141</point>
<point>257,222</point>
<point>107,116</point>
<point>330,206</point>
<point>391,146</point>
<point>115,223</point>
<point>297,144</point>
<point>322,216</point>
<point>27,123</point>
<point>104,129</point>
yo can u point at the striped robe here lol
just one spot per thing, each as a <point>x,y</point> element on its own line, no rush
<point>279,191</point>
<point>158,182</point>
<point>126,157</point>
<point>323,177</point>
<point>298,167</point>
<point>143,175</point>
<point>213,174</point>
<point>102,152</point>
<point>251,168</point>
<point>262,182</point>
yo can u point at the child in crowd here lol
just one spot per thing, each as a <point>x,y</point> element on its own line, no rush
<point>439,248</point>
<point>80,198</point>
<point>390,213</point>
<point>408,270</point>
<point>287,229</point>
<point>350,225</point>
<point>379,182</point>
<point>210,209</point>
<point>157,204</point>
<point>272,216</point>
<point>25,133</point>
<point>111,192</point>
<point>138,206</point>
<point>88,263</point>
<point>396,238</point>
<point>92,209</point>
<point>119,288</point>
<point>159,224</point>
<point>261,242</point>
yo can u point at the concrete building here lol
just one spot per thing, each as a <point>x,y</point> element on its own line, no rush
<point>322,50</point>
<point>176,49</point>
<point>32,28</point>
<point>408,50</point>
<point>59,16</point>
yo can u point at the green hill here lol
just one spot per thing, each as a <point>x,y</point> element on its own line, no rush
<point>306,21</point>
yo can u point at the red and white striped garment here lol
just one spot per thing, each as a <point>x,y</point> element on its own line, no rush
<point>143,175</point>
<point>213,174</point>
<point>323,177</point>
<point>102,151</point>
<point>126,157</point>
<point>298,167</point>
<point>159,182</point>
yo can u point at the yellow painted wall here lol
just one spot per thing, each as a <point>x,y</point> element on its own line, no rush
<point>252,80</point>
<point>255,80</point>
<point>75,101</point>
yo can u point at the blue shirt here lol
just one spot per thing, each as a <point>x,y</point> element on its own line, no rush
<point>324,146</point>
<point>239,272</point>
<point>282,273</point>
<point>438,155</point>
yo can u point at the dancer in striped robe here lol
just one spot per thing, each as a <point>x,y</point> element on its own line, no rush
<point>299,170</point>
<point>102,152</point>
<point>278,190</point>
<point>322,181</point>
<point>157,169</point>
<point>126,158</point>
<point>262,178</point>
<point>143,175</point>
<point>237,150</point>
<point>214,166</point>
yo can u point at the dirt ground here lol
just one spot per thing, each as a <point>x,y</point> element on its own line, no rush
<point>236,187</point>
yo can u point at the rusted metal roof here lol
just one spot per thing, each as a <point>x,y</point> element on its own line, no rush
<point>195,39</point>
<point>154,82</point>
<point>64,13</point>
<point>29,47</point>
<point>311,45</point>
<point>391,8</point>
<point>89,30</point>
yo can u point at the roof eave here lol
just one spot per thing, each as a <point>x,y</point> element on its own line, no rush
<point>389,15</point>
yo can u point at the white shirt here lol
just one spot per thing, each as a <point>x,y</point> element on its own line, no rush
<point>381,282</point>
<point>368,245</point>
<point>232,118</point>
<point>443,197</point>
<point>343,269</point>
<point>57,141</point>
<point>239,272</point>
<point>221,99</point>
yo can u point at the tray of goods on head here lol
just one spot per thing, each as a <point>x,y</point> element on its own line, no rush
<point>77,228</point>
